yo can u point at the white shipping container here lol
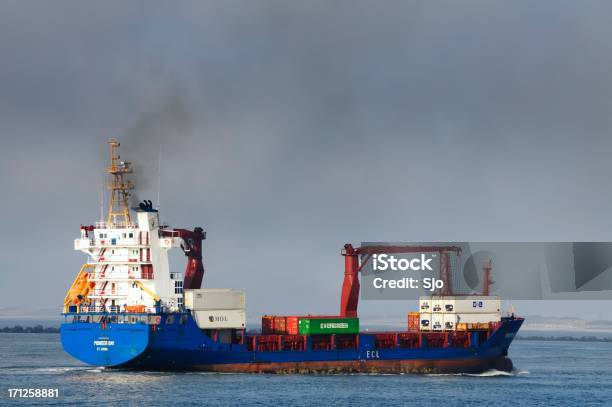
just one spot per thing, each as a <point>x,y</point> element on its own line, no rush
<point>476,318</point>
<point>471,304</point>
<point>220,319</point>
<point>437,304</point>
<point>214,298</point>
<point>425,304</point>
<point>437,321</point>
<point>425,321</point>
<point>450,322</point>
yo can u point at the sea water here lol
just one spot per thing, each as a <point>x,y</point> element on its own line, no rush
<point>547,373</point>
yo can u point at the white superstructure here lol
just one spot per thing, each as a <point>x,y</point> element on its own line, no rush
<point>129,266</point>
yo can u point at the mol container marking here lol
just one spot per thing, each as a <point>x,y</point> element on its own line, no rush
<point>126,308</point>
<point>211,319</point>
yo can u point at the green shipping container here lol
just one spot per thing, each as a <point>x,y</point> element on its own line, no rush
<point>318,326</point>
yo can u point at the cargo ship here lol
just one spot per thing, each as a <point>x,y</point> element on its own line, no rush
<point>127,309</point>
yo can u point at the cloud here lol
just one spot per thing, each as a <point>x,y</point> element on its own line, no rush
<point>287,130</point>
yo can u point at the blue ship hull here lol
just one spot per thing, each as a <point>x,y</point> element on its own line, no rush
<point>177,343</point>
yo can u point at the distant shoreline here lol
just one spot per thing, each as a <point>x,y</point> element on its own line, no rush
<point>563,338</point>
<point>36,329</point>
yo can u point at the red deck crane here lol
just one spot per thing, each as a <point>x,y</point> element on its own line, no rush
<point>350,286</point>
<point>192,247</point>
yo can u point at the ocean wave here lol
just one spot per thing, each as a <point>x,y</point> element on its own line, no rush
<point>45,370</point>
<point>66,369</point>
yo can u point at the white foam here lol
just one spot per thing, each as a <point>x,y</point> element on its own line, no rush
<point>60,369</point>
<point>488,373</point>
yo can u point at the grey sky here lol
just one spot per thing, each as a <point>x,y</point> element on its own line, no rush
<point>288,129</point>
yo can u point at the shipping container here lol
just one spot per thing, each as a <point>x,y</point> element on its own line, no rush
<point>317,326</point>
<point>414,321</point>
<point>292,326</point>
<point>474,318</point>
<point>482,326</point>
<point>425,304</point>
<point>450,322</point>
<point>267,324</point>
<point>472,304</point>
<point>217,319</point>
<point>425,319</point>
<point>211,299</point>
<point>280,325</point>
<point>437,304</point>
<point>437,322</point>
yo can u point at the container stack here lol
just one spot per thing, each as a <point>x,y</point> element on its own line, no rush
<point>219,308</point>
<point>279,325</point>
<point>450,313</point>
<point>308,325</point>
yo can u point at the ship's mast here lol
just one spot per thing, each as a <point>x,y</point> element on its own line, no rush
<point>118,210</point>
